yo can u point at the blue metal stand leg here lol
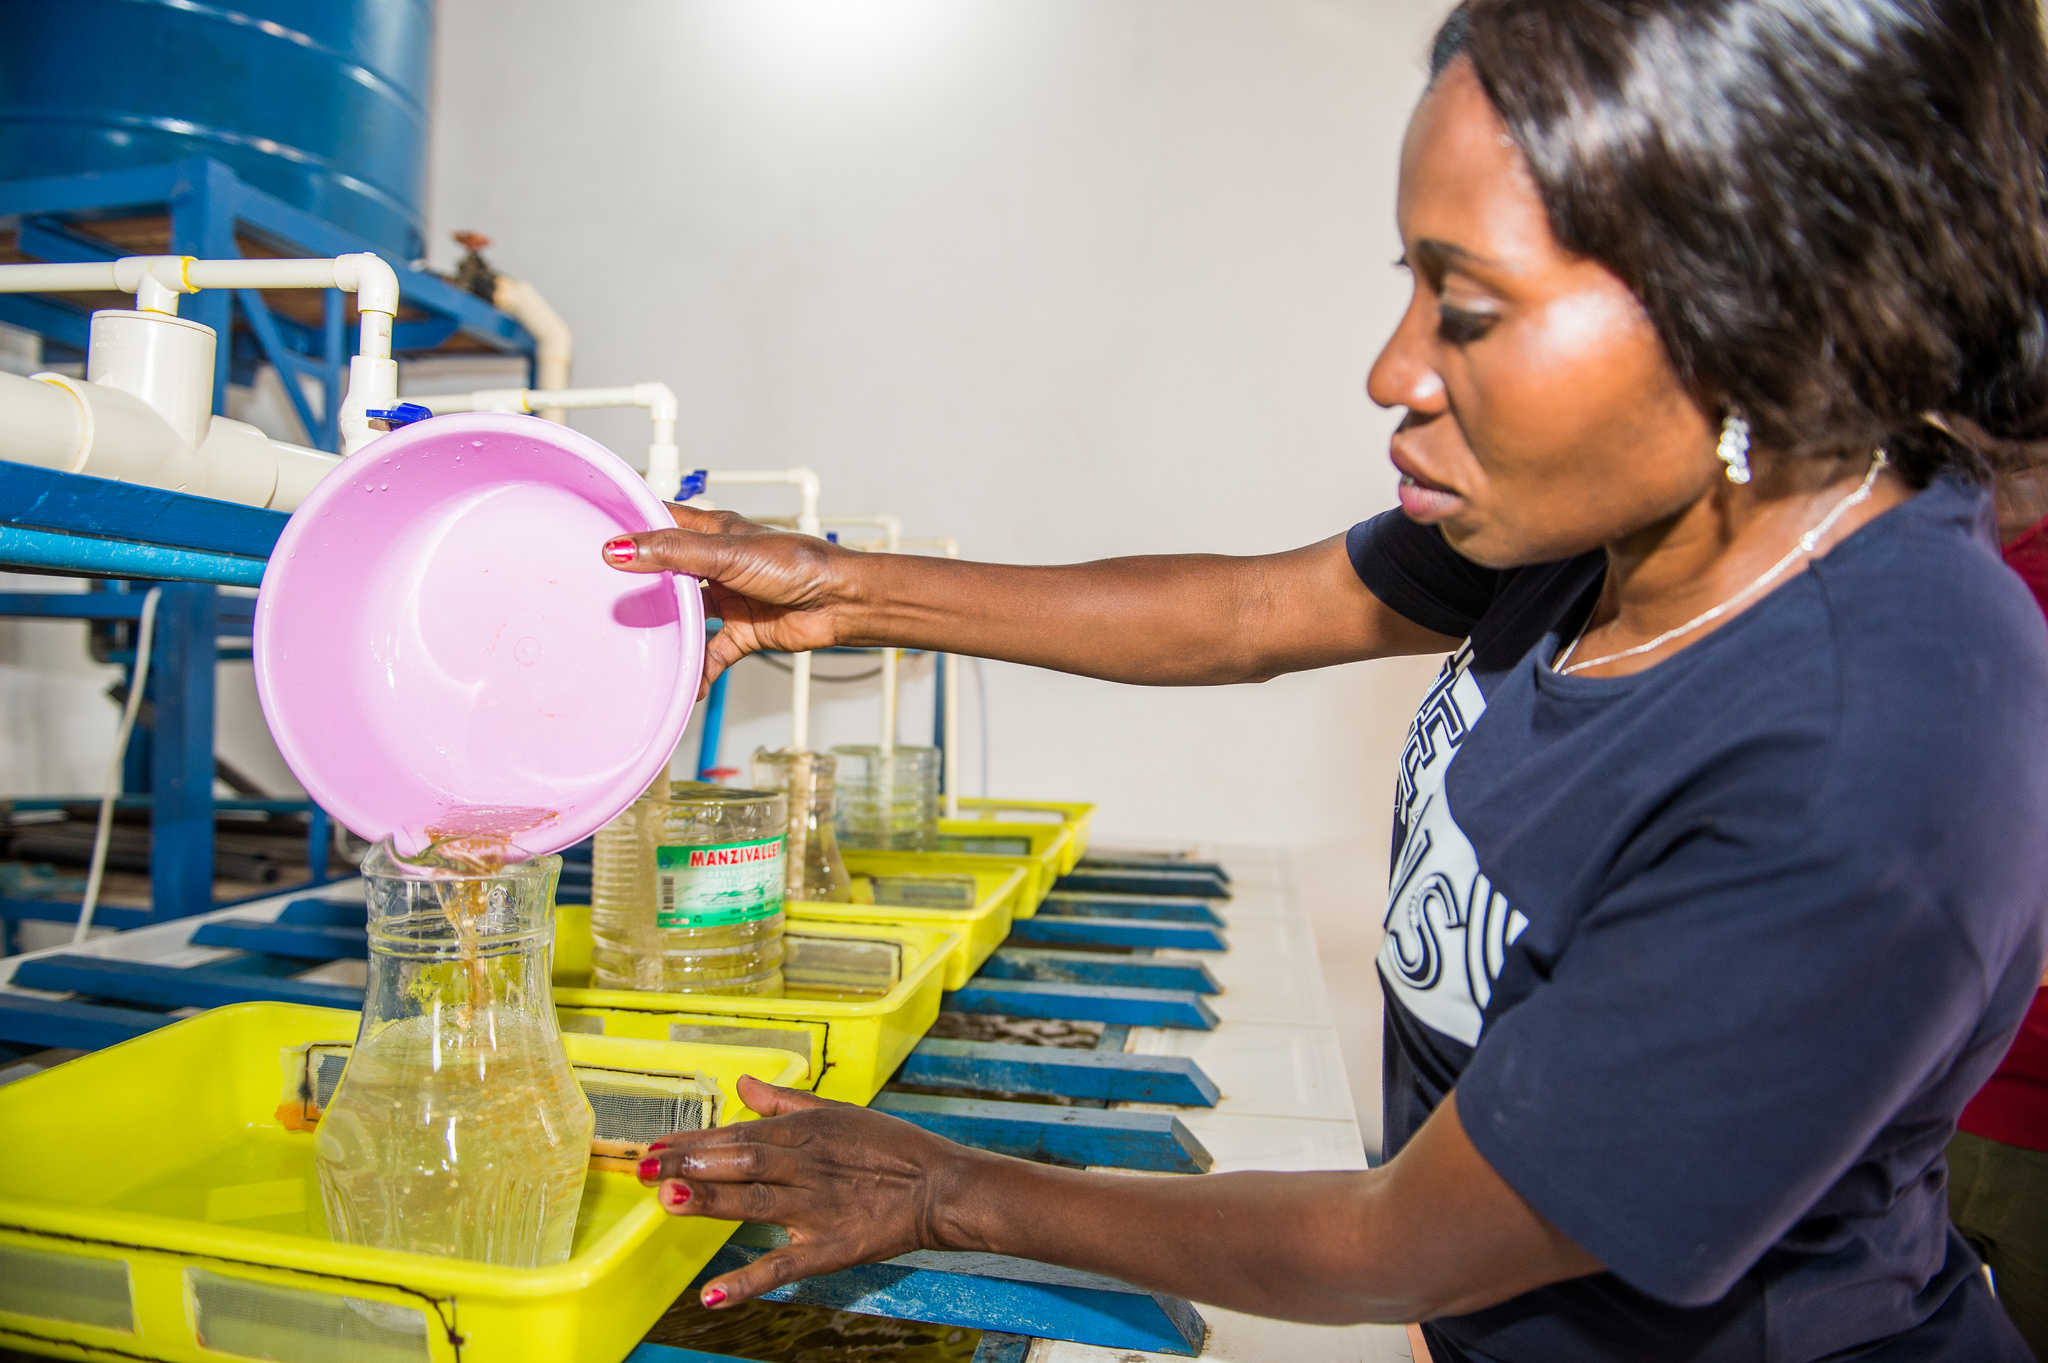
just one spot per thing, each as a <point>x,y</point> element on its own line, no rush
<point>714,720</point>
<point>181,818</point>
<point>319,843</point>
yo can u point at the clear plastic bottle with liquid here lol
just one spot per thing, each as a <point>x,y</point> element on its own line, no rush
<point>686,892</point>
<point>458,1128</point>
<point>814,872</point>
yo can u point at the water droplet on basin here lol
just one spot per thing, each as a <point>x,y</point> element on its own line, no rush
<point>527,651</point>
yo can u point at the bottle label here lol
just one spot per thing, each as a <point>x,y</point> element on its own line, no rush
<point>715,886</point>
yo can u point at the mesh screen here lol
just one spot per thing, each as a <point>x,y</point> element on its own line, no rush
<point>849,965</point>
<point>69,1287</point>
<point>327,1066</point>
<point>636,1109</point>
<point>925,892</point>
<point>264,1320</point>
<point>991,847</point>
<point>778,1038</point>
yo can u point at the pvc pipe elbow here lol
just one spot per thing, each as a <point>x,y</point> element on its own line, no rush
<point>658,398</point>
<point>374,283</point>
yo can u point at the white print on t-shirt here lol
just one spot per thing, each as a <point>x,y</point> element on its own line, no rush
<point>1448,929</point>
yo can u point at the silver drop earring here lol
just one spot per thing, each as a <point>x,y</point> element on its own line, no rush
<point>1734,447</point>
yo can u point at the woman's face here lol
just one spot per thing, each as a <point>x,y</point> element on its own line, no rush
<point>1544,418</point>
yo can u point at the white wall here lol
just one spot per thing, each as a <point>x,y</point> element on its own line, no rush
<point>1063,278</point>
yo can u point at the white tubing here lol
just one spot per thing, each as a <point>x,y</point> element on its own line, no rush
<point>156,282</point>
<point>41,423</point>
<point>138,681</point>
<point>807,486</point>
<point>892,541</point>
<point>553,345</point>
<point>664,460</point>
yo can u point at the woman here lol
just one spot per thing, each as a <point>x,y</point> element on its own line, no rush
<point>1720,856</point>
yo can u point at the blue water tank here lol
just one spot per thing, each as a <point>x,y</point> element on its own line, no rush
<point>322,103</point>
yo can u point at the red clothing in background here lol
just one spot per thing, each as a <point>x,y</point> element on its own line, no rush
<point>2012,1107</point>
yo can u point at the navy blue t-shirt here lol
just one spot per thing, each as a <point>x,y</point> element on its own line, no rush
<point>1715,953</point>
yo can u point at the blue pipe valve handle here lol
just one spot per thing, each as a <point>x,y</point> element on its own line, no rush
<point>694,484</point>
<point>404,414</point>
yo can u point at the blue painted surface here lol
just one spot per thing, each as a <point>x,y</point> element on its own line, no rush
<point>181,752</point>
<point>44,499</point>
<point>165,986</point>
<point>1154,1141</point>
<point>66,911</point>
<point>1039,1300</point>
<point>1084,1003</point>
<point>300,942</point>
<point>231,612</point>
<point>1174,910</point>
<point>1107,1075</point>
<point>669,1353</point>
<point>79,1026</point>
<point>1054,929</point>
<point>324,913</point>
<point>44,551</point>
<point>1086,879</point>
<point>1138,861</point>
<point>322,103</point>
<point>1095,967</point>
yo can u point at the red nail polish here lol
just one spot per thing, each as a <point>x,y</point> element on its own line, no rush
<point>676,1194</point>
<point>713,1295</point>
<point>650,1170</point>
<point>621,550</point>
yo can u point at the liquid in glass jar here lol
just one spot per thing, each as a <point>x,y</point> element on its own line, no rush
<point>458,1128</point>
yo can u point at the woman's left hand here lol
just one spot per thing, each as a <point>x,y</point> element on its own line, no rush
<point>849,1185</point>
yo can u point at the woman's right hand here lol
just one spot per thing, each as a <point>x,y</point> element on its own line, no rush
<point>774,589</point>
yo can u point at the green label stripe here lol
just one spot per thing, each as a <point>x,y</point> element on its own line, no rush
<point>717,885</point>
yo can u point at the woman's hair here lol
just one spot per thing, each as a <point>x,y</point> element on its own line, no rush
<point>1834,211</point>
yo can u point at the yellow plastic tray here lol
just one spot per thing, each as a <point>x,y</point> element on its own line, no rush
<point>852,1039</point>
<point>153,1204</point>
<point>1042,847</point>
<point>982,928</point>
<point>1074,815</point>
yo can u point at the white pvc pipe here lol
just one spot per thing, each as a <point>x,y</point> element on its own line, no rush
<point>156,282</point>
<point>806,484</point>
<point>553,345</point>
<point>892,541</point>
<point>138,682</point>
<point>950,547</point>
<point>664,460</point>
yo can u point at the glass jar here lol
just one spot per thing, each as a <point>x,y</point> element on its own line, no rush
<point>686,891</point>
<point>888,801</point>
<point>458,1128</point>
<point>812,866</point>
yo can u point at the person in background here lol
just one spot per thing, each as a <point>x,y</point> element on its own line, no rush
<point>1998,1161</point>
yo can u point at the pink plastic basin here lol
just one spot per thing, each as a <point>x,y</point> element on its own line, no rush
<point>440,648</point>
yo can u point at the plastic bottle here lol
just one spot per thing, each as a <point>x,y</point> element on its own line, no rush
<point>686,892</point>
<point>812,865</point>
<point>458,1128</point>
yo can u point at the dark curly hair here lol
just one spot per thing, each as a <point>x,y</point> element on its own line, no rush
<point>1834,211</point>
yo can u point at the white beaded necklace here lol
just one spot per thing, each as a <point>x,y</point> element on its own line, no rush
<point>1564,666</point>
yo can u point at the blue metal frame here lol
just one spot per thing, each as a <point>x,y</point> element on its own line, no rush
<point>208,209</point>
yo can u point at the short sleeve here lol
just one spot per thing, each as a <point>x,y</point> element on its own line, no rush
<point>1418,576</point>
<point>1722,1040</point>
